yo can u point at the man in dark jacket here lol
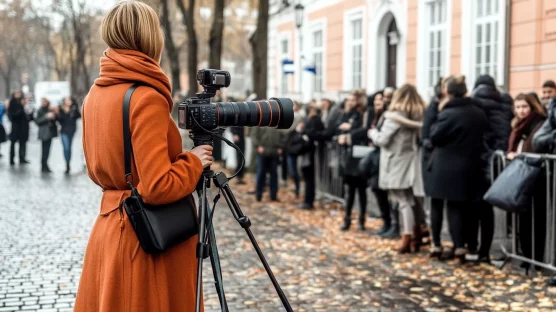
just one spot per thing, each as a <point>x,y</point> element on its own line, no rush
<point>239,140</point>
<point>499,112</point>
<point>544,140</point>
<point>46,120</point>
<point>20,114</point>
<point>268,147</point>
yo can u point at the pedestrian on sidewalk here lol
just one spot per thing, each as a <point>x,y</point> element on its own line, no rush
<point>20,114</point>
<point>239,140</point>
<point>398,139</point>
<point>498,109</point>
<point>117,274</point>
<point>68,114</point>
<point>268,146</point>
<point>351,122</point>
<point>373,115</point>
<point>3,135</point>
<point>457,146</point>
<point>303,142</point>
<point>529,117</point>
<point>48,129</point>
<point>291,158</point>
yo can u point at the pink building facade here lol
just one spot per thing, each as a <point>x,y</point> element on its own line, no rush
<point>347,44</point>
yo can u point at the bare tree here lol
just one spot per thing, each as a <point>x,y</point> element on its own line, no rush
<point>216,35</point>
<point>259,45</point>
<point>188,19</point>
<point>171,49</point>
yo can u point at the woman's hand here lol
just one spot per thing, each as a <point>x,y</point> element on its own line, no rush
<point>204,152</point>
<point>511,155</point>
<point>345,126</point>
<point>342,139</point>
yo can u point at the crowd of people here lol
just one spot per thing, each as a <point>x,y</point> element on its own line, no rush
<point>441,150</point>
<point>51,121</point>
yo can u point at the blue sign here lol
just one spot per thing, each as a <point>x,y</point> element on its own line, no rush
<point>288,67</point>
<point>311,69</point>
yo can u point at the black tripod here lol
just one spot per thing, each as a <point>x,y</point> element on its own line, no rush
<point>207,239</point>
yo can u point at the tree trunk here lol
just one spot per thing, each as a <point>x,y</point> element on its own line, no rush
<point>259,45</point>
<point>216,34</point>
<point>189,23</point>
<point>171,50</point>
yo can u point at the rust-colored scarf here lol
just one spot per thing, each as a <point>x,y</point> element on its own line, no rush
<point>128,66</point>
<point>524,130</point>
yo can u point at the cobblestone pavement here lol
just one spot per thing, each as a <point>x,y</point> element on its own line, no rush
<point>45,221</point>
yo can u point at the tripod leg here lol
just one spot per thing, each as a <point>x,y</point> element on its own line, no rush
<point>201,246</point>
<point>215,264</point>
<point>221,181</point>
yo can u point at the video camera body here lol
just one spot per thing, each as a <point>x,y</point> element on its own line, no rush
<point>199,115</point>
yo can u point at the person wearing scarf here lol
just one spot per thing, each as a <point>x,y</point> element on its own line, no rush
<point>117,274</point>
<point>529,117</point>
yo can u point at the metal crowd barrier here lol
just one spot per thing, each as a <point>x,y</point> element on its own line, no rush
<point>329,181</point>
<point>507,227</point>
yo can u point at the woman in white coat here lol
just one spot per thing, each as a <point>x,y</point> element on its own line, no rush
<point>398,172</point>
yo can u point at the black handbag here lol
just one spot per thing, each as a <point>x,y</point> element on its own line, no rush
<point>369,166</point>
<point>513,189</point>
<point>157,227</point>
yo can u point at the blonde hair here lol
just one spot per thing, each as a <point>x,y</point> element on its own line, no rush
<point>133,25</point>
<point>361,99</point>
<point>407,99</point>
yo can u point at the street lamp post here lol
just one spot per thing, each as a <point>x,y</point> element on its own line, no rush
<point>298,23</point>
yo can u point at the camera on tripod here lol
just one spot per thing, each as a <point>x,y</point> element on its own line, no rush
<point>199,114</point>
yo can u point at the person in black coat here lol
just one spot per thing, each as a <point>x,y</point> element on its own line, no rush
<point>498,109</point>
<point>303,145</point>
<point>431,114</point>
<point>351,122</point>
<point>239,140</point>
<point>48,129</point>
<point>456,138</point>
<point>68,115</point>
<point>20,114</point>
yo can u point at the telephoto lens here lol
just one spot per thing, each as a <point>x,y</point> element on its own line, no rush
<point>275,112</point>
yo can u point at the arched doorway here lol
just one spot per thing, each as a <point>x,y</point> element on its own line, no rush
<point>392,40</point>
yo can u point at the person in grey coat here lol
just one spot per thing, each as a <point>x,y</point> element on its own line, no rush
<point>399,158</point>
<point>46,120</point>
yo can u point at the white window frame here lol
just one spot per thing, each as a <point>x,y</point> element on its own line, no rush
<point>470,21</point>
<point>283,78</point>
<point>316,26</point>
<point>425,79</point>
<point>348,77</point>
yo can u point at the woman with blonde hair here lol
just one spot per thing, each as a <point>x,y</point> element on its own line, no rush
<point>117,274</point>
<point>454,166</point>
<point>398,171</point>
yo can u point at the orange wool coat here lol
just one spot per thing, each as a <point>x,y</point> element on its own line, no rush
<point>117,274</point>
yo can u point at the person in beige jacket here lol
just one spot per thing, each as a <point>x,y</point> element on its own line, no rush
<point>398,171</point>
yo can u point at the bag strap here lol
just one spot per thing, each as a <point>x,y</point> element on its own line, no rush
<point>128,149</point>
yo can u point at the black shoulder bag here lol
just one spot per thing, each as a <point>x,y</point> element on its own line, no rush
<point>157,227</point>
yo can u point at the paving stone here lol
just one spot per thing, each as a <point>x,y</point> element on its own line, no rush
<point>43,245</point>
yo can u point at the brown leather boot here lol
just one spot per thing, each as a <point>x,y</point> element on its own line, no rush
<point>405,244</point>
<point>415,245</point>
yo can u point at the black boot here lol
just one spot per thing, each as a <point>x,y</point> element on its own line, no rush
<point>45,169</point>
<point>67,168</point>
<point>393,232</point>
<point>345,227</point>
<point>385,227</point>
